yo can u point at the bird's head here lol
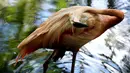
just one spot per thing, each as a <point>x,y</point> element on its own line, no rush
<point>91,23</point>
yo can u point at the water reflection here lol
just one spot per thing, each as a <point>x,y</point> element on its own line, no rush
<point>99,56</point>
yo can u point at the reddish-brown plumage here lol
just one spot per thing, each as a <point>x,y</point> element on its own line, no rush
<point>59,33</point>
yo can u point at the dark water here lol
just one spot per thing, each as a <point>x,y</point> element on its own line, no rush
<point>106,54</point>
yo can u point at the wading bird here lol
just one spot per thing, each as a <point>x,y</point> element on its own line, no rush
<point>68,30</point>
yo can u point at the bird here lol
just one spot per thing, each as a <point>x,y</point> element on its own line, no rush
<point>68,30</point>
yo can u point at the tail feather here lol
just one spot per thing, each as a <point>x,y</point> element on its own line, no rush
<point>23,52</point>
<point>28,48</point>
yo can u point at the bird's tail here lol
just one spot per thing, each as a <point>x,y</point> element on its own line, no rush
<point>23,52</point>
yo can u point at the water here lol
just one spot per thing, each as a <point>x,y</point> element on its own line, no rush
<point>107,54</point>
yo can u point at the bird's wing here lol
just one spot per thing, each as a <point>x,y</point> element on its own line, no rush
<point>39,31</point>
<point>43,28</point>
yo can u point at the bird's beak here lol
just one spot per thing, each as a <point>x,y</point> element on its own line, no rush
<point>79,25</point>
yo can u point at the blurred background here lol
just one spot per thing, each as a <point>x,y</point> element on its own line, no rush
<point>107,54</point>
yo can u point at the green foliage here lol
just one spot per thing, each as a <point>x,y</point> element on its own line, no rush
<point>31,9</point>
<point>24,11</point>
<point>3,3</point>
<point>5,57</point>
<point>10,14</point>
<point>61,4</point>
<point>27,68</point>
<point>13,13</point>
<point>53,68</point>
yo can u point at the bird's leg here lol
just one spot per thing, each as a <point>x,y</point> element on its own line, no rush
<point>45,65</point>
<point>73,62</point>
